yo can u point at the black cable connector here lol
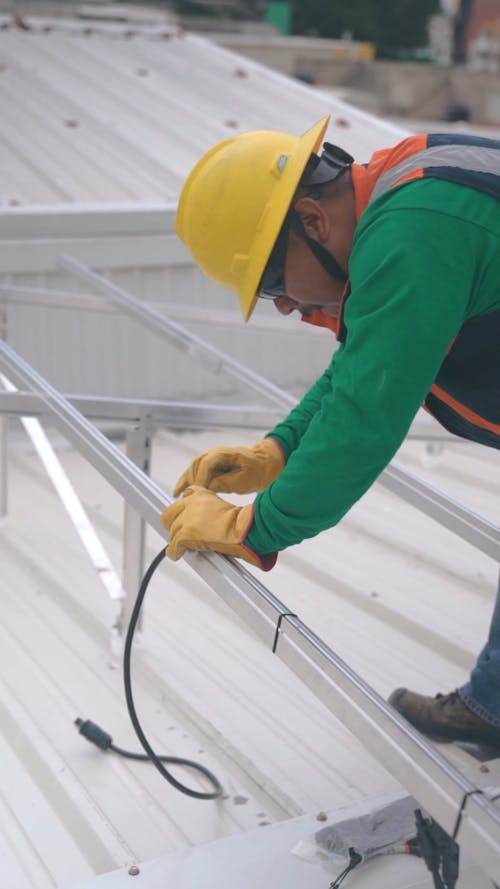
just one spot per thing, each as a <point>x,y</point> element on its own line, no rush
<point>94,733</point>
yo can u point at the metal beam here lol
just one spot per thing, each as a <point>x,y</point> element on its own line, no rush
<point>420,494</point>
<point>138,450</point>
<point>48,297</point>
<point>439,787</point>
<point>473,528</point>
<point>126,478</point>
<point>174,414</point>
<point>186,414</point>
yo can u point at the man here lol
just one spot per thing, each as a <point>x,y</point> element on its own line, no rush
<point>401,258</point>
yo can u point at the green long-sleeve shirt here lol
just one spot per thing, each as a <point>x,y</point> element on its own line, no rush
<point>425,258</point>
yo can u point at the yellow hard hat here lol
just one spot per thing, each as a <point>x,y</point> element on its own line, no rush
<point>235,200</point>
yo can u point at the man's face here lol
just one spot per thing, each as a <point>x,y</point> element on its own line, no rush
<point>330,221</point>
<point>308,285</point>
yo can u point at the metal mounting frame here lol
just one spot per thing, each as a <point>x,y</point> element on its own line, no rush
<point>452,799</point>
<point>126,411</point>
<point>435,503</point>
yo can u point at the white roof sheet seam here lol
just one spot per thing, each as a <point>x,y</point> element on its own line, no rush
<point>89,157</point>
<point>370,604</point>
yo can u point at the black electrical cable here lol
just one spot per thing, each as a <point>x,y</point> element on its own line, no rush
<point>130,701</point>
<point>354,859</point>
<point>96,735</point>
<point>101,738</point>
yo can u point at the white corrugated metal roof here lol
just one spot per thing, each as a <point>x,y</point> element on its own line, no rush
<point>382,588</point>
<point>383,593</point>
<point>98,117</point>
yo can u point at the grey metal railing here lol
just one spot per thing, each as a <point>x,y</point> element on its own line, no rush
<point>172,414</point>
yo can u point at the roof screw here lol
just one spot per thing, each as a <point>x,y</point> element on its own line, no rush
<point>134,870</point>
<point>483,768</point>
<point>321,816</point>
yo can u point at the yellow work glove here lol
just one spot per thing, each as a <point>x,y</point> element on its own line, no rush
<point>237,470</point>
<point>201,520</point>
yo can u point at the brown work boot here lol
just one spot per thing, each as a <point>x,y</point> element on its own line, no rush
<point>444,718</point>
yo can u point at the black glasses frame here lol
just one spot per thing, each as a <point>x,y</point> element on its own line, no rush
<point>272,283</point>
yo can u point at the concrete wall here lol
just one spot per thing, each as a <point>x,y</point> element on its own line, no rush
<point>386,88</point>
<point>426,91</point>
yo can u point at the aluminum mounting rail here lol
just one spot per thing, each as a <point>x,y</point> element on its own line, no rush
<point>174,414</point>
<point>451,798</point>
<point>475,529</point>
<point>71,502</point>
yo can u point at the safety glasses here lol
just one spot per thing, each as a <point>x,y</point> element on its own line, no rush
<point>272,283</point>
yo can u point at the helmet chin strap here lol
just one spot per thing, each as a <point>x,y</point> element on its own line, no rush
<point>328,167</point>
<point>333,163</point>
<point>324,257</point>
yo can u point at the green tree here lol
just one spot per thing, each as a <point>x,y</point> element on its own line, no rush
<point>394,26</point>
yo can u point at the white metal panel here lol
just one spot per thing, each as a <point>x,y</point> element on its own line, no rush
<point>266,857</point>
<point>90,117</point>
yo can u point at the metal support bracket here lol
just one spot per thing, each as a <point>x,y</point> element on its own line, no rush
<point>138,450</point>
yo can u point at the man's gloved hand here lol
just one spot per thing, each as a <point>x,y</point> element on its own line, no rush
<point>237,470</point>
<point>201,520</point>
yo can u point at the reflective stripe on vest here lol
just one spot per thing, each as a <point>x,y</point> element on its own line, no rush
<point>472,162</point>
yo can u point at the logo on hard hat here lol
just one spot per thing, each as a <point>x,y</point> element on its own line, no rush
<point>282,161</point>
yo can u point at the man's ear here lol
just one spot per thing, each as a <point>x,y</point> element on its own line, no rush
<point>314,218</point>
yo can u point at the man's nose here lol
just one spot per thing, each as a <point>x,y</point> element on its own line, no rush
<point>285,304</point>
